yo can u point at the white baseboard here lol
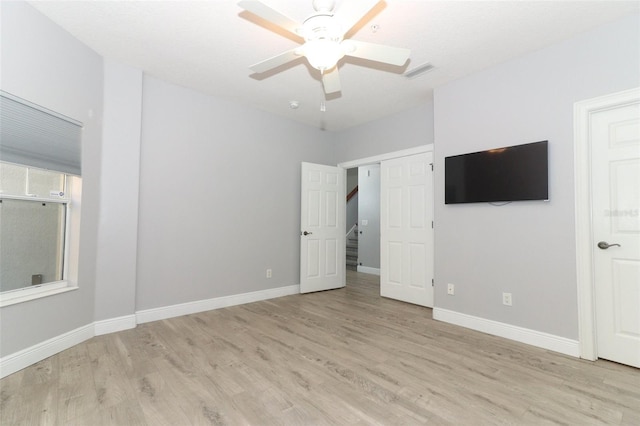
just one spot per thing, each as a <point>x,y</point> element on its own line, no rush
<point>115,324</point>
<point>165,312</point>
<point>369,270</point>
<point>29,356</point>
<point>523,335</point>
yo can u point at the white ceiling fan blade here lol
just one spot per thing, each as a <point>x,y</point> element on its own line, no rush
<point>271,15</point>
<point>331,81</point>
<point>377,52</point>
<point>276,61</point>
<point>352,11</point>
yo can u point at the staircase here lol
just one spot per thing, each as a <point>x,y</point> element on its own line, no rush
<point>352,250</point>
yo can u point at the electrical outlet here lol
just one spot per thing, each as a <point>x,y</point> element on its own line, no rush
<point>451,289</point>
<point>269,273</point>
<point>506,299</point>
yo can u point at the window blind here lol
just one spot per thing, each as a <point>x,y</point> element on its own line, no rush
<point>34,136</point>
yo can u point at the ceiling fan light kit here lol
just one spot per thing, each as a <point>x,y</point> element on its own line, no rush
<point>323,33</point>
<point>323,54</point>
<point>322,37</point>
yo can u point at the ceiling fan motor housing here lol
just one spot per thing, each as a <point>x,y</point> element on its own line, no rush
<point>323,5</point>
<point>322,26</point>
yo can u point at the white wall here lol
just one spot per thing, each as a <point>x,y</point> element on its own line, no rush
<point>525,248</point>
<point>369,211</point>
<point>219,196</point>
<point>43,64</point>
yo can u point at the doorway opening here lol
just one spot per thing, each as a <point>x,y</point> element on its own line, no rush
<point>363,219</point>
<point>402,228</point>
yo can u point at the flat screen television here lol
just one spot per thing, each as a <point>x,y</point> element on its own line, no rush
<point>513,173</point>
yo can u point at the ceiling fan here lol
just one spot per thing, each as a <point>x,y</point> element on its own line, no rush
<point>324,43</point>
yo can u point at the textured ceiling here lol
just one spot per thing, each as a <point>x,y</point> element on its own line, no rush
<point>209,45</point>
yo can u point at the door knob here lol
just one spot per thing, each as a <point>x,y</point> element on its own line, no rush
<point>603,245</point>
<point>307,233</point>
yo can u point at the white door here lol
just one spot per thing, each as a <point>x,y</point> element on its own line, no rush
<point>615,154</point>
<point>406,232</point>
<point>322,235</point>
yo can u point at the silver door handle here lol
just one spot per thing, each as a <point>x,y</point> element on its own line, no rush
<point>307,233</point>
<point>603,245</point>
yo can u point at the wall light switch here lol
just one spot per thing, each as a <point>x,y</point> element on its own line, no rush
<point>451,289</point>
<point>364,222</point>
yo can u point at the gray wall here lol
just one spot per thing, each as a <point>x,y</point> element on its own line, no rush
<point>45,65</point>
<point>400,131</point>
<point>526,248</point>
<point>117,238</point>
<point>369,210</point>
<point>219,196</point>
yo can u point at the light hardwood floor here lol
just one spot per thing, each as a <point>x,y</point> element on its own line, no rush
<point>340,357</point>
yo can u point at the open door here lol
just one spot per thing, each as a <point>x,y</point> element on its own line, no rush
<point>322,233</point>
<point>406,229</point>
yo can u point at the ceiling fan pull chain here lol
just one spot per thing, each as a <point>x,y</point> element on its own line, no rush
<point>323,106</point>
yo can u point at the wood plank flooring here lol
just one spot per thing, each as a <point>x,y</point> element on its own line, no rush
<point>342,357</point>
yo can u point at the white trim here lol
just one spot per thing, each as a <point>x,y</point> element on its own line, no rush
<point>35,198</point>
<point>388,156</point>
<point>29,356</point>
<point>369,270</point>
<point>115,324</point>
<point>582,112</point>
<point>519,334</point>
<point>25,294</point>
<point>353,228</point>
<point>73,190</point>
<point>165,312</point>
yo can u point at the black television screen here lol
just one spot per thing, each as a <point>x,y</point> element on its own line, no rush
<point>512,173</point>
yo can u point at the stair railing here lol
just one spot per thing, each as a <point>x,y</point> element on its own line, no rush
<point>353,192</point>
<point>353,229</point>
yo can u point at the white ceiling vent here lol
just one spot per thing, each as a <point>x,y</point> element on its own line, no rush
<point>419,70</point>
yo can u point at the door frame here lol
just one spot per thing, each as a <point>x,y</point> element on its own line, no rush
<point>377,159</point>
<point>582,111</point>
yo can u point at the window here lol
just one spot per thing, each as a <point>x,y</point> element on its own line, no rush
<point>40,189</point>
<point>34,223</point>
